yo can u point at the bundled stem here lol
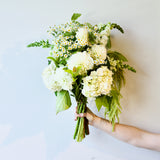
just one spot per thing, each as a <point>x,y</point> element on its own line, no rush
<point>82,123</point>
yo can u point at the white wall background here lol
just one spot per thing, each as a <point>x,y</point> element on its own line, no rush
<point>29,128</point>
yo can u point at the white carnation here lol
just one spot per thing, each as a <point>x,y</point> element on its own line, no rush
<point>98,83</point>
<point>56,79</point>
<point>82,36</point>
<point>99,53</point>
<point>81,59</point>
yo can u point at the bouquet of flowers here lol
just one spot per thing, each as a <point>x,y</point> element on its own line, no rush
<point>81,64</point>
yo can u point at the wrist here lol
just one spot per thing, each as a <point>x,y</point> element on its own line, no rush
<point>96,121</point>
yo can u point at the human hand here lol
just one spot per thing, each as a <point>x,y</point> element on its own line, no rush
<point>88,114</point>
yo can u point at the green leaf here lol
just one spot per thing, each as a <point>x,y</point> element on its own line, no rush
<point>116,55</point>
<point>69,34</point>
<point>109,42</point>
<point>116,26</point>
<point>44,44</point>
<point>126,66</point>
<point>54,60</point>
<point>91,38</point>
<point>118,78</point>
<point>101,101</point>
<point>75,16</point>
<point>89,25</point>
<point>63,101</point>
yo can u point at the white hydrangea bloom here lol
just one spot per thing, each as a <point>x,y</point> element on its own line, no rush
<point>98,53</point>
<point>98,83</point>
<point>48,76</point>
<point>81,59</point>
<point>82,36</point>
<point>56,79</point>
<point>64,79</point>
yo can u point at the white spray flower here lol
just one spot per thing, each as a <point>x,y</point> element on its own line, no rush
<point>81,59</point>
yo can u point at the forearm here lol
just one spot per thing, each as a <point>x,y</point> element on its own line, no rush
<point>129,134</point>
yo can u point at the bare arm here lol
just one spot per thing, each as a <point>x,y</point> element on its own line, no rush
<point>129,134</point>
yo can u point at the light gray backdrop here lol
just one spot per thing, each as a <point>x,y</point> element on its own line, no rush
<point>29,128</point>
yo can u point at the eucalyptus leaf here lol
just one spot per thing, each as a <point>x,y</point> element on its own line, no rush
<point>63,101</point>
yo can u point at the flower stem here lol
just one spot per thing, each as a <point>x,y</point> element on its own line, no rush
<point>82,123</point>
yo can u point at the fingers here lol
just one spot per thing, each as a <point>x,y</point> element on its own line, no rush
<point>79,115</point>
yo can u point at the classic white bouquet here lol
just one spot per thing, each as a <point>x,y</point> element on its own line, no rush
<point>81,64</point>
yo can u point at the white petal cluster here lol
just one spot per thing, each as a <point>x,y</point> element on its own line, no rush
<point>98,83</point>
<point>98,53</point>
<point>81,59</point>
<point>82,36</point>
<point>64,79</point>
<point>56,79</point>
<point>104,40</point>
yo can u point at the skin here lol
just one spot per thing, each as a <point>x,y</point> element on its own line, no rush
<point>128,134</point>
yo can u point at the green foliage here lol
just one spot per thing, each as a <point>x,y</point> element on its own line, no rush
<point>102,101</point>
<point>63,101</point>
<point>118,78</point>
<point>109,42</point>
<point>89,25</point>
<point>116,56</point>
<point>126,66</point>
<point>54,60</point>
<point>74,73</point>
<point>115,107</point>
<point>69,34</point>
<point>49,62</point>
<point>116,26</point>
<point>75,16</point>
<point>111,104</point>
<point>44,44</point>
<point>91,38</point>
